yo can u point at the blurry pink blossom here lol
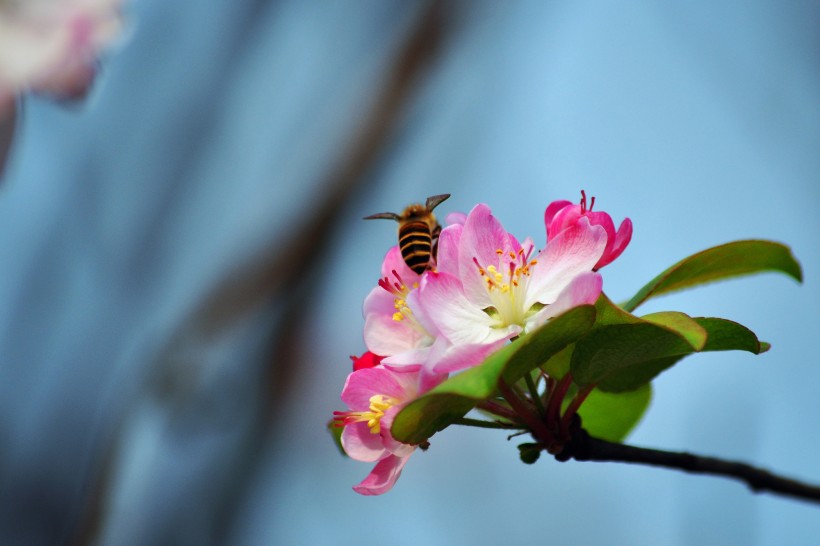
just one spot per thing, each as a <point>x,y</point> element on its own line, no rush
<point>51,46</point>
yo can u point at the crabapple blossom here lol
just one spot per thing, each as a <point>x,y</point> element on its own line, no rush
<point>51,46</point>
<point>562,214</point>
<point>397,327</point>
<point>490,288</point>
<point>393,324</point>
<point>375,396</point>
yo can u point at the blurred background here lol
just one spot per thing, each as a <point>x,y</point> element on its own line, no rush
<point>183,263</point>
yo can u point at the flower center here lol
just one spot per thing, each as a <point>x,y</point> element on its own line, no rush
<point>506,285</point>
<point>403,312</point>
<point>379,403</point>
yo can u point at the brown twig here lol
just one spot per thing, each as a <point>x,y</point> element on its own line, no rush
<point>584,447</point>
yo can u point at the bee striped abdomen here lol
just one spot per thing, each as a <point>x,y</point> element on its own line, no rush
<point>416,245</point>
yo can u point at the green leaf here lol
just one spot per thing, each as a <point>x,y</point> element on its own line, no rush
<point>607,313</point>
<point>614,355</point>
<point>725,335</point>
<point>612,416</point>
<point>720,262</point>
<point>721,335</point>
<point>682,323</point>
<point>558,366</point>
<point>453,398</point>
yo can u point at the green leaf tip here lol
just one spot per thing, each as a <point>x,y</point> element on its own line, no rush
<point>733,259</point>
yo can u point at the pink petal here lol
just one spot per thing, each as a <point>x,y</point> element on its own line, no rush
<point>549,215</point>
<point>622,239</point>
<point>456,318</point>
<point>361,444</point>
<point>361,385</point>
<point>460,357</point>
<point>447,253</point>
<point>383,476</point>
<point>455,218</point>
<point>420,313</point>
<point>481,240</point>
<point>387,337</point>
<point>394,262</point>
<point>408,361</point>
<point>379,301</point>
<point>583,290</point>
<point>574,251</point>
<point>563,219</point>
<point>391,444</point>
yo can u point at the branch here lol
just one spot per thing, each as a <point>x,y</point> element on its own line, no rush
<point>583,447</point>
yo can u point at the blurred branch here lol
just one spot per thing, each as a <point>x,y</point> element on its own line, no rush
<point>583,447</point>
<point>8,119</point>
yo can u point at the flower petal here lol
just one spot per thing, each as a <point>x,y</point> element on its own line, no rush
<point>575,250</point>
<point>460,357</point>
<point>361,444</point>
<point>482,240</point>
<point>379,301</point>
<point>361,385</point>
<point>549,215</point>
<point>393,262</point>
<point>383,476</point>
<point>456,318</point>
<point>447,253</point>
<point>622,239</point>
<point>385,336</point>
<point>391,444</point>
<point>582,290</point>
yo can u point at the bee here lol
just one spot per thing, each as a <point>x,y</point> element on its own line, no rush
<point>418,231</point>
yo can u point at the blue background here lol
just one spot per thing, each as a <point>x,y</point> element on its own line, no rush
<point>150,249</point>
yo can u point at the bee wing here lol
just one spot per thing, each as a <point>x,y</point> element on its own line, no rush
<point>385,215</point>
<point>435,200</point>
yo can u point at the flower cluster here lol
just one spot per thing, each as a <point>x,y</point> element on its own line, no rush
<point>485,288</point>
<point>51,46</point>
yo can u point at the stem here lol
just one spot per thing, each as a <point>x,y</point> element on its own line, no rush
<point>526,414</point>
<point>469,422</point>
<point>534,394</point>
<point>572,409</point>
<point>497,409</point>
<point>583,447</point>
<point>556,397</point>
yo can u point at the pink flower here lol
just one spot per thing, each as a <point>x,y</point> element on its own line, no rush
<point>562,214</point>
<point>393,323</point>
<point>397,326</point>
<point>51,46</point>
<point>375,396</point>
<point>490,288</point>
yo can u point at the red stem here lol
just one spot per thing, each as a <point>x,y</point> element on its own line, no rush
<point>572,409</point>
<point>526,414</point>
<point>554,405</point>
